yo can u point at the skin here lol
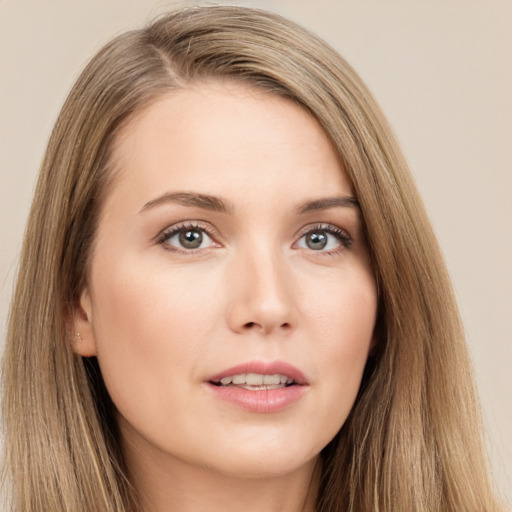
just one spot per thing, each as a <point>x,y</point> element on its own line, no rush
<point>162,319</point>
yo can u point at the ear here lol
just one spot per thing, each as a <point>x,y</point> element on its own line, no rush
<point>84,341</point>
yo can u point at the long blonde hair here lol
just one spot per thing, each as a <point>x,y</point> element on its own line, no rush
<point>413,440</point>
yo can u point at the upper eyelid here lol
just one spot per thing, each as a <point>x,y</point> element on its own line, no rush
<point>323,226</point>
<point>187,224</point>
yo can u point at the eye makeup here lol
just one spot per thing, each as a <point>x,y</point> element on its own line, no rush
<point>192,236</point>
<point>320,236</point>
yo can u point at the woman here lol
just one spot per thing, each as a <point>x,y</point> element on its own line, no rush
<point>230,294</point>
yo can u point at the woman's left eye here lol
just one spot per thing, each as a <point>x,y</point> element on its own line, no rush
<point>325,239</point>
<point>186,238</point>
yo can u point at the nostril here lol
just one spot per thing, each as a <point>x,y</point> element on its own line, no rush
<point>266,328</point>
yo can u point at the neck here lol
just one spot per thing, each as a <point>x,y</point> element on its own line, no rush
<point>167,484</point>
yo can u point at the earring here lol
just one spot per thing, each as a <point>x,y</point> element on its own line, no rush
<point>78,337</point>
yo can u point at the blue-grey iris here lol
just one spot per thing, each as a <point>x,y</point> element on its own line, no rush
<point>191,239</point>
<point>316,240</point>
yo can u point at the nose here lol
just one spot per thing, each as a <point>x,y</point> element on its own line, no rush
<point>263,297</point>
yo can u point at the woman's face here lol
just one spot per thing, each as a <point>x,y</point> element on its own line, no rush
<point>229,247</point>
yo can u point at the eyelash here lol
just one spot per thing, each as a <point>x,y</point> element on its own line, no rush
<point>341,235</point>
<point>169,232</point>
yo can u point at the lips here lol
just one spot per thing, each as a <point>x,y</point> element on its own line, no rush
<point>259,386</point>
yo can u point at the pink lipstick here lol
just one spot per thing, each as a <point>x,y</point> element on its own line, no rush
<point>259,386</point>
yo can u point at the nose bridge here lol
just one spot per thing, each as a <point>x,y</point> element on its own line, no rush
<point>263,297</point>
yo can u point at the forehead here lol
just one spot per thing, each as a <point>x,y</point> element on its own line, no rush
<point>226,139</point>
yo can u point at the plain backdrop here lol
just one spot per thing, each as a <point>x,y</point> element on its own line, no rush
<point>441,70</point>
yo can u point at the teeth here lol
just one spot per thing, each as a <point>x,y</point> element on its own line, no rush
<point>256,379</point>
<point>269,380</point>
<point>253,379</point>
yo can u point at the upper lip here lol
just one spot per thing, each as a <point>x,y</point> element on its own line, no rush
<point>263,368</point>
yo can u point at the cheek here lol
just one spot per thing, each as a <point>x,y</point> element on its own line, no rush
<point>149,327</point>
<point>341,312</point>
<point>342,323</point>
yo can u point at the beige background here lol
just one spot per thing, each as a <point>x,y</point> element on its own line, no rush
<point>440,69</point>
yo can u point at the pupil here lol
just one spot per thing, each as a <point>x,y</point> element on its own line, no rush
<point>316,241</point>
<point>191,239</point>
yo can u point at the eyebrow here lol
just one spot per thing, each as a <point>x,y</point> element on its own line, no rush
<point>328,202</point>
<point>203,201</point>
<point>213,203</point>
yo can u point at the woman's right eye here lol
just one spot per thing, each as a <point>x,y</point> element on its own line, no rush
<point>186,238</point>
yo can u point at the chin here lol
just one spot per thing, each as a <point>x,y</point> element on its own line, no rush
<point>279,465</point>
<point>269,458</point>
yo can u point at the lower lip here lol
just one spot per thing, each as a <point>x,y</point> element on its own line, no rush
<point>261,400</point>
